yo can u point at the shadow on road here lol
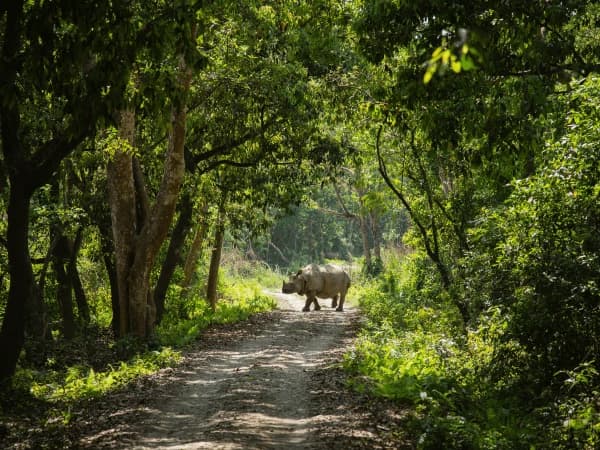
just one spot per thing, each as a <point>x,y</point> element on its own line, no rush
<point>243,394</point>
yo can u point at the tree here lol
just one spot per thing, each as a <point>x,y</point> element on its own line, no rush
<point>544,244</point>
<point>449,148</point>
<point>65,242</point>
<point>63,66</point>
<point>174,256</point>
<point>244,133</point>
<point>215,254</point>
<point>137,242</point>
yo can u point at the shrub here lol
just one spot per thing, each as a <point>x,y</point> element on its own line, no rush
<point>538,255</point>
<point>187,316</point>
<point>413,349</point>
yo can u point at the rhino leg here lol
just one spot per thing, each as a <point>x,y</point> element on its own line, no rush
<point>342,300</point>
<point>334,301</point>
<point>307,304</point>
<point>310,299</point>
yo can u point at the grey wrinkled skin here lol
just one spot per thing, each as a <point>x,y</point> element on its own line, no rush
<point>328,281</point>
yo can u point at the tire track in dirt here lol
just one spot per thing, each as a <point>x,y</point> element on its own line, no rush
<point>249,393</point>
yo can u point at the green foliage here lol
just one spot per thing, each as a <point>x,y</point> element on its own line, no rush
<point>538,254</point>
<point>470,390</point>
<point>82,382</point>
<point>498,169</point>
<point>443,58</point>
<point>187,315</point>
<point>110,143</point>
<point>245,278</point>
<point>374,268</point>
<point>95,285</point>
<point>576,411</point>
<point>490,329</point>
<point>309,235</point>
<point>66,376</point>
<point>412,353</point>
<point>182,331</point>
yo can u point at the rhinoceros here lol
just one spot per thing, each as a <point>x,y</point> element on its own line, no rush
<point>328,281</point>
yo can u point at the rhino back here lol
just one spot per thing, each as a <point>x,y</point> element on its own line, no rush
<point>327,280</point>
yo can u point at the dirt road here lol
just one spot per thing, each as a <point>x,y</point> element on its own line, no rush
<point>270,386</point>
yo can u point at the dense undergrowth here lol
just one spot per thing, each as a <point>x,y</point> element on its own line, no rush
<point>473,388</point>
<point>495,339</point>
<point>51,378</point>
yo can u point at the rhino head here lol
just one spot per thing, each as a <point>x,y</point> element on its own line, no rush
<point>295,284</point>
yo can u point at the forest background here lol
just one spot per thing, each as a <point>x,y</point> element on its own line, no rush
<point>447,153</point>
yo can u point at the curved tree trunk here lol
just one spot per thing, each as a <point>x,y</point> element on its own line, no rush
<point>135,252</point>
<point>195,251</point>
<point>429,231</point>
<point>12,335</point>
<point>215,258</point>
<point>173,257</point>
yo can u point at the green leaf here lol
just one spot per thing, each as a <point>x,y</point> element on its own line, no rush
<point>429,74</point>
<point>467,63</point>
<point>437,53</point>
<point>456,65</point>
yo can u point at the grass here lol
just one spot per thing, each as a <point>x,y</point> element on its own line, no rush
<point>82,382</point>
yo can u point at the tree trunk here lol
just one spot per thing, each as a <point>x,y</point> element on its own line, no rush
<point>28,170</point>
<point>121,195</point>
<point>429,235</point>
<point>64,297</point>
<point>215,257</point>
<point>173,257</point>
<point>141,308</point>
<point>364,234</point>
<point>136,247</point>
<point>80,298</point>
<point>376,233</point>
<point>12,335</point>
<point>195,251</point>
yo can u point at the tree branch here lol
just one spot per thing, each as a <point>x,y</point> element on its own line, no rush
<point>347,213</point>
<point>431,253</point>
<point>287,261</point>
<point>226,148</point>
